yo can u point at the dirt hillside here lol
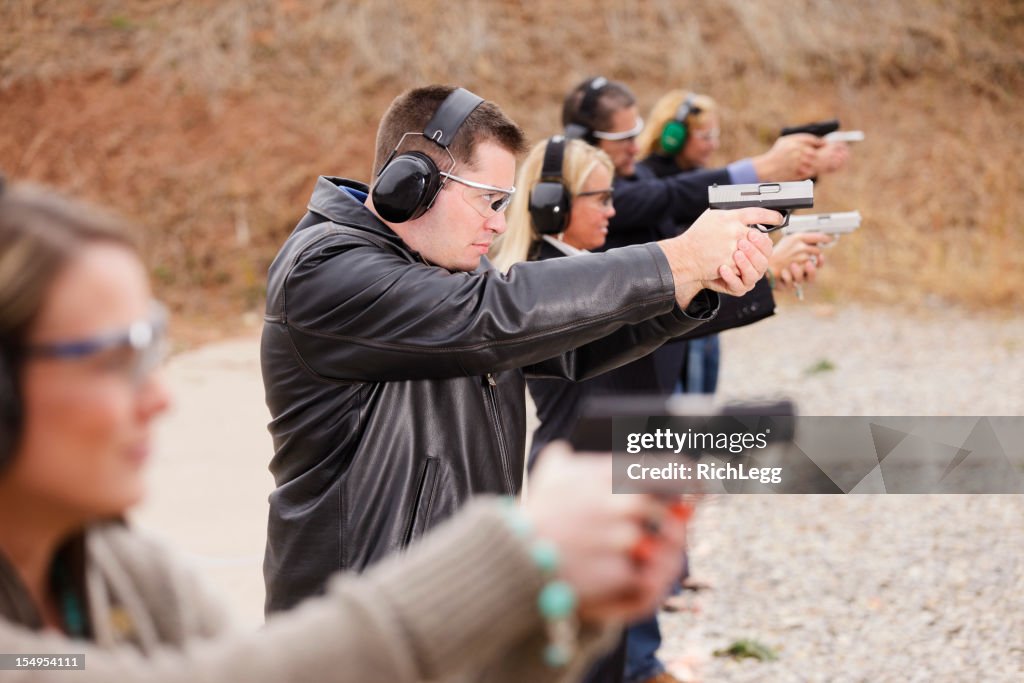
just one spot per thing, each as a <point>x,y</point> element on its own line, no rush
<point>208,123</point>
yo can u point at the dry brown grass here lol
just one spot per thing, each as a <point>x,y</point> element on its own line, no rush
<point>208,121</point>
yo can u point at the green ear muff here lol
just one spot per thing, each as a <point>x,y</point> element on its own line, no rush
<point>673,137</point>
<point>675,132</point>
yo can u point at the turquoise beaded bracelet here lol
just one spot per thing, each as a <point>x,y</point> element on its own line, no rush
<point>557,599</point>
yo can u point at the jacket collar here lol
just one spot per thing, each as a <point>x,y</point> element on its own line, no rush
<point>561,246</point>
<point>15,604</point>
<point>342,201</point>
<point>17,607</point>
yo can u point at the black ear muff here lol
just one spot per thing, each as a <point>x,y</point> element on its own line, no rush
<point>10,399</point>
<point>676,131</point>
<point>406,188</point>
<point>550,200</point>
<point>407,185</point>
<point>582,125</point>
<point>10,409</point>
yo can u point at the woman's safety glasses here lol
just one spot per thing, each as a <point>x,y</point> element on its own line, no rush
<point>604,197</point>
<point>134,352</point>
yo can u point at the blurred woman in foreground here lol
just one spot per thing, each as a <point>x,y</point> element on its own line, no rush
<point>81,342</point>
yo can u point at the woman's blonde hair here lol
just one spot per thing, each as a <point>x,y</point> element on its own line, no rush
<point>578,161</point>
<point>664,110</point>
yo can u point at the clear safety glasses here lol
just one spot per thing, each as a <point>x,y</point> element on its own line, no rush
<point>134,352</point>
<point>488,200</point>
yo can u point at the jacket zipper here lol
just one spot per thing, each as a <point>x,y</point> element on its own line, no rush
<point>492,403</point>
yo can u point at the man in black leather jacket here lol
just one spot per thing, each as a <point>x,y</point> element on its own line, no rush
<point>393,355</point>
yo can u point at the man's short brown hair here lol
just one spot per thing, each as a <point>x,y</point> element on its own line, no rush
<point>412,110</point>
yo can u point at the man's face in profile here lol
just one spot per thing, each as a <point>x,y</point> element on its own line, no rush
<point>461,225</point>
<point>623,153</point>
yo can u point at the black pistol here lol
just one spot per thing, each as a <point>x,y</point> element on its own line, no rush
<point>818,128</point>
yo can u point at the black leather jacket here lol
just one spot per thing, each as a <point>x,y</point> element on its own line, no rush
<point>396,388</point>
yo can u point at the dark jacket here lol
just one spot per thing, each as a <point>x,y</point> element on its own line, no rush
<point>649,208</point>
<point>559,401</point>
<point>662,166</point>
<point>396,389</point>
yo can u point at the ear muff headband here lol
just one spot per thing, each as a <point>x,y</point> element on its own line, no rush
<point>550,200</point>
<point>580,128</point>
<point>450,116</point>
<point>408,183</point>
<point>674,134</point>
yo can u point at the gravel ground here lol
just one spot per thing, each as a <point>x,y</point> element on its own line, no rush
<point>844,588</point>
<point>883,363</point>
<point>870,587</point>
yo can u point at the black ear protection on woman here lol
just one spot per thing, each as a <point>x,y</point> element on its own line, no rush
<point>550,200</point>
<point>581,126</point>
<point>10,407</point>
<point>675,132</point>
<point>408,183</point>
<point>10,401</point>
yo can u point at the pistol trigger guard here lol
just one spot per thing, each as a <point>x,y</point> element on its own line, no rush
<point>772,228</point>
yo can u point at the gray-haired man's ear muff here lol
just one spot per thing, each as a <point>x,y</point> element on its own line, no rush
<point>581,127</point>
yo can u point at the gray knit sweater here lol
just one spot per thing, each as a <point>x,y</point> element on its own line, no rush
<point>459,604</point>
